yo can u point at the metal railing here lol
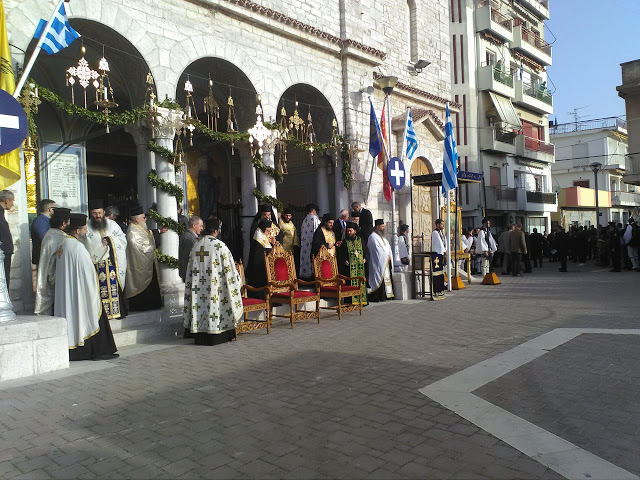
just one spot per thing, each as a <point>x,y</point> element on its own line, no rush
<point>541,197</point>
<point>506,194</point>
<point>541,93</point>
<point>543,3</point>
<point>536,145</point>
<point>504,137</point>
<point>533,38</point>
<point>501,76</point>
<point>607,122</point>
<point>496,16</point>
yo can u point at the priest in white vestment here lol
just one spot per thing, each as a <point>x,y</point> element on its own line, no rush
<point>309,226</point>
<point>51,244</point>
<point>107,245</point>
<point>212,292</point>
<point>78,299</point>
<point>380,265</point>
<point>143,287</point>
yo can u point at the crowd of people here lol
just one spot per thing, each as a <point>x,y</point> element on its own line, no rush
<point>90,270</point>
<point>516,251</point>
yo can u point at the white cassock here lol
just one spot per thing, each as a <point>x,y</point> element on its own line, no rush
<point>380,255</point>
<point>46,279</point>
<point>403,251</point>
<point>483,246</point>
<point>100,253</point>
<point>79,300</point>
<point>438,242</point>
<point>309,227</point>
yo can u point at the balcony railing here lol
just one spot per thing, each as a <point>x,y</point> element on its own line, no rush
<point>503,77</point>
<point>533,38</point>
<point>496,16</point>
<point>541,93</point>
<point>598,123</point>
<point>536,145</point>
<point>541,197</point>
<point>505,193</point>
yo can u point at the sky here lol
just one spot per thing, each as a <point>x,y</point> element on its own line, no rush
<point>590,39</point>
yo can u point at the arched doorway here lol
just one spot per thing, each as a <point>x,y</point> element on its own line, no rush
<point>212,177</point>
<point>421,207</point>
<point>78,159</point>
<point>309,178</point>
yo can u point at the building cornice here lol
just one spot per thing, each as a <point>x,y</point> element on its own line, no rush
<point>421,95</point>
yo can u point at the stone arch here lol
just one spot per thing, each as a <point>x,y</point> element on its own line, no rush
<point>298,75</point>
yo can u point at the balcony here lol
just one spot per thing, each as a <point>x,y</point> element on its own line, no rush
<point>540,8</point>
<point>533,97</point>
<point>501,198</point>
<point>535,149</point>
<point>493,78</point>
<point>496,140</point>
<point>580,197</point>
<point>625,199</point>
<point>489,18</point>
<point>531,45</point>
<point>532,201</point>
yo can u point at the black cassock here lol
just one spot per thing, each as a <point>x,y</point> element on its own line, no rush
<point>256,268</point>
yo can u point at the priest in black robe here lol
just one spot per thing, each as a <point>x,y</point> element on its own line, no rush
<point>324,235</point>
<point>261,244</point>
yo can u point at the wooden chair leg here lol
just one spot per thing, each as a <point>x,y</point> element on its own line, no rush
<point>236,336</point>
<point>292,307</point>
<point>267,319</point>
<point>339,308</point>
<point>318,309</point>
<point>360,304</point>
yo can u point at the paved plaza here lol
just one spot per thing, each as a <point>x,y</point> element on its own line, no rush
<point>342,399</point>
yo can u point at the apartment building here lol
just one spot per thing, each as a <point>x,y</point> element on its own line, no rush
<point>584,150</point>
<point>499,57</point>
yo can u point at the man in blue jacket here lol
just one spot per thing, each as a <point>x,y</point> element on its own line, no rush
<point>39,227</point>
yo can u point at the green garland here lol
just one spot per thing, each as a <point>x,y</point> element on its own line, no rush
<point>346,163</point>
<point>158,150</point>
<point>166,259</point>
<point>220,136</point>
<point>272,172</point>
<point>170,188</point>
<point>262,198</point>
<point>166,222</point>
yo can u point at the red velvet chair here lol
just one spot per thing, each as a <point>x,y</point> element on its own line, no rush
<point>336,286</point>
<point>281,277</point>
<point>253,305</point>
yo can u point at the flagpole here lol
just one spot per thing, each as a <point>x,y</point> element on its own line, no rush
<point>450,281</point>
<point>394,236</point>
<point>36,51</point>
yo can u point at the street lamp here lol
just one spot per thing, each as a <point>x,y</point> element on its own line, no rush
<point>596,167</point>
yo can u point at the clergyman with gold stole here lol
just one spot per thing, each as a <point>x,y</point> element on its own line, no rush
<point>289,232</point>
<point>143,287</point>
<point>351,260</point>
<point>107,245</point>
<point>324,235</point>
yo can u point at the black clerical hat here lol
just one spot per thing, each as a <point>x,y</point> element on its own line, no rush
<point>136,210</point>
<point>263,224</point>
<point>379,221</point>
<point>61,213</point>
<point>78,220</point>
<point>287,211</point>
<point>355,214</point>
<point>96,203</point>
<point>353,225</point>
<point>265,207</point>
<point>326,217</point>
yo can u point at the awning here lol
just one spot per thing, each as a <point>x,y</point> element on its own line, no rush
<point>435,179</point>
<point>506,111</point>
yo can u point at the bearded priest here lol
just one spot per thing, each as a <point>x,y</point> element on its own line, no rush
<point>380,265</point>
<point>324,235</point>
<point>212,296</point>
<point>107,246</point>
<point>51,245</point>
<point>78,299</point>
<point>142,289</point>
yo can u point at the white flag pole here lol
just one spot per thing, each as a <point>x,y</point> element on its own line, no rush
<point>403,152</point>
<point>36,51</point>
<point>449,280</point>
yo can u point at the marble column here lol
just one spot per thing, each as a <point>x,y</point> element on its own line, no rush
<point>147,194</point>
<point>167,205</point>
<point>267,182</point>
<point>249,202</point>
<point>322,190</point>
<point>341,192</point>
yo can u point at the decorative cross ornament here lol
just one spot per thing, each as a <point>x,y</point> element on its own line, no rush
<point>202,253</point>
<point>397,174</point>
<point>84,74</point>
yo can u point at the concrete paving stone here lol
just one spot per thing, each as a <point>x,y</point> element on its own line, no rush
<point>71,471</point>
<point>181,466</point>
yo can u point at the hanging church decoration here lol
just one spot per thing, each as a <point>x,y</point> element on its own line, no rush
<point>232,122</point>
<point>211,108</point>
<point>84,75</point>
<point>104,92</point>
<point>151,107</point>
<point>281,147</point>
<point>190,115</point>
<point>259,135</point>
<point>311,135</point>
<point>296,125</point>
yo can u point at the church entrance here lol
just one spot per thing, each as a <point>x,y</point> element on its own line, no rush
<point>421,208</point>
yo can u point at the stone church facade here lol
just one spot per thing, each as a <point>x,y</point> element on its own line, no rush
<point>323,56</point>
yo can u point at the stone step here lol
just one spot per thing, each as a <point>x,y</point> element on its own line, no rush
<point>136,319</point>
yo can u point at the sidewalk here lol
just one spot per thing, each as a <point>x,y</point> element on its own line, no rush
<point>341,399</point>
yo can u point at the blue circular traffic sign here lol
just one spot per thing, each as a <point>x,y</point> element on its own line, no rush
<point>396,173</point>
<point>13,123</point>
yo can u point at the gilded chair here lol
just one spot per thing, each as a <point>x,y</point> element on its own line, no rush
<point>281,277</point>
<point>253,305</point>
<point>336,286</point>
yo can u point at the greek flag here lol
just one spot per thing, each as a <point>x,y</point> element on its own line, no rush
<point>60,34</point>
<point>412,140</point>
<point>450,160</point>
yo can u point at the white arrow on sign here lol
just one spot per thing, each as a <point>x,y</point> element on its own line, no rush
<point>9,121</point>
<point>397,173</point>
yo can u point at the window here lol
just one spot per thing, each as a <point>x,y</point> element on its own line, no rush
<point>413,30</point>
<point>537,222</point>
<point>538,180</point>
<point>518,180</point>
<point>490,57</point>
<point>581,183</point>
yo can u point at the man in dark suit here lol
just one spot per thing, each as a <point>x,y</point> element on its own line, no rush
<point>365,223</point>
<point>517,248</point>
<point>6,203</point>
<point>340,225</point>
